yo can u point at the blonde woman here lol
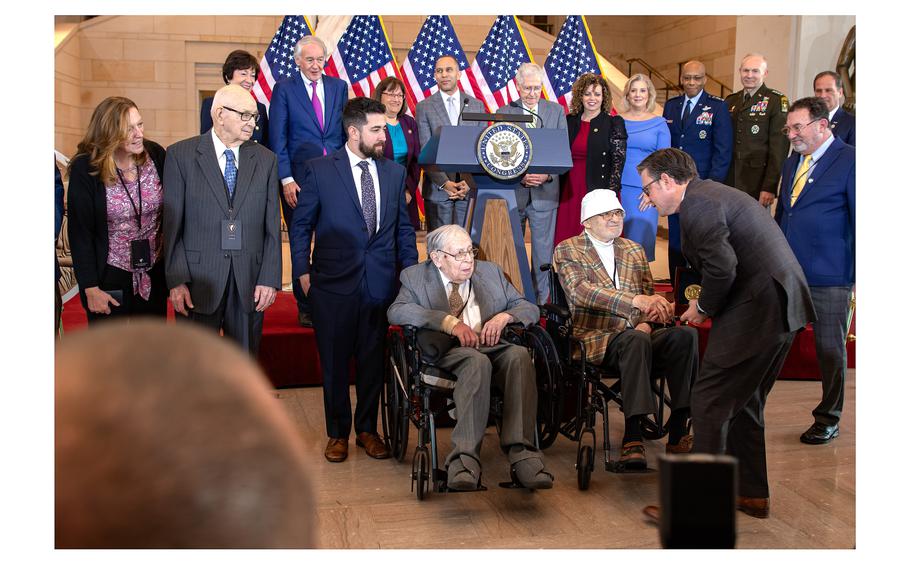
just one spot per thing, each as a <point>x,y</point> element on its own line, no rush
<point>114,205</point>
<point>646,132</point>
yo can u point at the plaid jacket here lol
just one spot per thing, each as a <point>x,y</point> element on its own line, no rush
<point>599,310</point>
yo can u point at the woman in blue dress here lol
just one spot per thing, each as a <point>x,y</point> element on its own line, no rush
<point>647,132</point>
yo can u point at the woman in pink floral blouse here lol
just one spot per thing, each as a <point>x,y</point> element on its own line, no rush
<point>114,205</point>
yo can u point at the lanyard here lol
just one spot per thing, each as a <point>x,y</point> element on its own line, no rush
<point>138,211</point>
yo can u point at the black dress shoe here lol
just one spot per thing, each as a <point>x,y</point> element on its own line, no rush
<point>304,319</point>
<point>820,434</point>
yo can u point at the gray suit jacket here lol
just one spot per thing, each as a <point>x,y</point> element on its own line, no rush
<point>752,285</point>
<point>196,202</point>
<point>431,114</point>
<point>423,302</point>
<point>545,197</point>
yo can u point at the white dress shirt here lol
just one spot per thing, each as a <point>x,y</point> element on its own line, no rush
<point>694,101</point>
<point>471,314</point>
<point>219,153</point>
<point>607,257</point>
<point>456,104</point>
<point>357,172</point>
<point>320,91</point>
<point>831,114</point>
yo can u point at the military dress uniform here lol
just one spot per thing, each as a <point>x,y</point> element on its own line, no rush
<point>759,146</point>
<point>707,135</point>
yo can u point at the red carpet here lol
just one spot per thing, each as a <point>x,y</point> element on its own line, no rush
<point>287,352</point>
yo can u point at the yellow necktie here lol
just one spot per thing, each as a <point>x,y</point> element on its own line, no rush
<point>801,175</point>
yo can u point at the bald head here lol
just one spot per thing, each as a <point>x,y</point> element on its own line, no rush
<point>228,107</point>
<point>693,78</point>
<point>168,437</point>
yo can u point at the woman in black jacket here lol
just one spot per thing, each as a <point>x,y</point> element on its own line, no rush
<point>114,203</point>
<point>598,144</point>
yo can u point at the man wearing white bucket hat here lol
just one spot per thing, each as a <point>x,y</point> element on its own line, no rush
<point>610,291</point>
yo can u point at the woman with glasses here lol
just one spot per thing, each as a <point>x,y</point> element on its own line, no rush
<point>402,142</point>
<point>598,145</point>
<point>240,68</point>
<point>647,132</point>
<point>114,205</point>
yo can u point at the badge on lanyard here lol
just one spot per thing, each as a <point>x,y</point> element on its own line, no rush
<point>231,234</point>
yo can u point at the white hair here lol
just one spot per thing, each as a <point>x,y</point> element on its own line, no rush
<point>440,237</point>
<point>308,40</point>
<point>526,69</point>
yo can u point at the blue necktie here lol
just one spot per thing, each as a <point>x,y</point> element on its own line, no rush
<point>230,171</point>
<point>368,200</point>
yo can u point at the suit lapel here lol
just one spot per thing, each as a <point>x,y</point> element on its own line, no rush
<point>824,164</point>
<point>300,92</point>
<point>208,163</point>
<point>439,300</point>
<point>593,260</point>
<point>343,166</point>
<point>482,294</point>
<point>248,165</point>
<point>622,265</point>
<point>386,196</point>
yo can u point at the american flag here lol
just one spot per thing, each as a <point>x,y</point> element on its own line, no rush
<point>572,54</point>
<point>363,57</point>
<point>278,61</point>
<point>437,37</point>
<point>498,59</point>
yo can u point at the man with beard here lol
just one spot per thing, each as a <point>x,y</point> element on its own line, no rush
<point>353,199</point>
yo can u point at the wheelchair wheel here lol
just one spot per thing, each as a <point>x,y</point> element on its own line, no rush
<point>549,384</point>
<point>585,466</point>
<point>420,472</point>
<point>395,400</point>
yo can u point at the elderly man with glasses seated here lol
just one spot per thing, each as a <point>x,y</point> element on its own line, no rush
<point>610,291</point>
<point>471,300</point>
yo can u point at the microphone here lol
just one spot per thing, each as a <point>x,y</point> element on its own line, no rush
<point>464,105</point>
<point>517,104</point>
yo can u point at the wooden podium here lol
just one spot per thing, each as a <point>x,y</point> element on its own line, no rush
<point>493,214</point>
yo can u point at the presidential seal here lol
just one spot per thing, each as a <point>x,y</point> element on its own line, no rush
<point>504,150</point>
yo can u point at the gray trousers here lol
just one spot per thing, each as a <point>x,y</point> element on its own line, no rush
<point>446,212</point>
<point>543,231</point>
<point>832,304</point>
<point>510,369</point>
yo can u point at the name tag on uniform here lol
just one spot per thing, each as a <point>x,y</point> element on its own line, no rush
<point>231,234</point>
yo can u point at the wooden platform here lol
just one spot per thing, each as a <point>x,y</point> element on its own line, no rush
<point>366,503</point>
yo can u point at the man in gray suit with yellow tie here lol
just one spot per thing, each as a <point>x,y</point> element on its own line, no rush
<point>221,223</point>
<point>538,195</point>
<point>445,194</point>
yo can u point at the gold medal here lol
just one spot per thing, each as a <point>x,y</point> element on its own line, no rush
<point>692,292</point>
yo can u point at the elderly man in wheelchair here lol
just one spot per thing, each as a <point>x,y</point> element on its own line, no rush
<point>623,325</point>
<point>471,301</point>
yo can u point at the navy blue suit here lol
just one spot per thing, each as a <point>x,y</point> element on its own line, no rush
<point>821,230</point>
<point>707,136</point>
<point>843,125</point>
<point>260,134</point>
<point>296,136</point>
<point>354,278</point>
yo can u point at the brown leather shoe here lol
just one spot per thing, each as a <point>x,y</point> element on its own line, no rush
<point>683,447</point>
<point>652,514</point>
<point>633,456</point>
<point>758,507</point>
<point>337,450</point>
<point>373,445</point>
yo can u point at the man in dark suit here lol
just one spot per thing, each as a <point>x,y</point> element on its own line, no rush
<point>221,226</point>
<point>472,300</point>
<point>445,194</point>
<point>829,87</point>
<point>700,126</point>
<point>817,214</point>
<point>305,117</point>
<point>353,200</point>
<point>753,289</point>
<point>538,194</point>
<point>758,113</point>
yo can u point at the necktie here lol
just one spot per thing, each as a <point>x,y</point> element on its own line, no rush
<point>368,201</point>
<point>747,98</point>
<point>801,174</point>
<point>230,171</point>
<point>317,107</point>
<point>453,115</point>
<point>455,302</point>
<point>687,111</point>
<point>533,123</point>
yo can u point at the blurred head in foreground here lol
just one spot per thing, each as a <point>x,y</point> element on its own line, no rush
<point>167,437</point>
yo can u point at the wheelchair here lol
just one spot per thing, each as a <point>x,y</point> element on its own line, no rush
<point>580,390</point>
<point>420,393</point>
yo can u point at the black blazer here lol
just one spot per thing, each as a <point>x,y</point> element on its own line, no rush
<point>86,206</point>
<point>606,149</point>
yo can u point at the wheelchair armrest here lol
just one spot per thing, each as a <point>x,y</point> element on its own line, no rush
<point>558,311</point>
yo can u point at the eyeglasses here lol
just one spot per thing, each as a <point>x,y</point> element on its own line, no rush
<point>311,60</point>
<point>393,95</point>
<point>647,188</point>
<point>798,128</point>
<point>537,89</point>
<point>245,116</point>
<point>687,78</point>
<point>462,256</point>
<point>618,213</point>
